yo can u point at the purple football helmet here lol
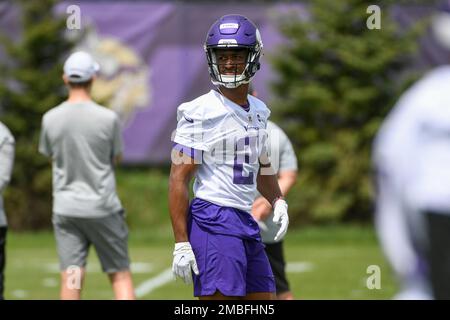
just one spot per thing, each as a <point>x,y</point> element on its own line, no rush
<point>233,32</point>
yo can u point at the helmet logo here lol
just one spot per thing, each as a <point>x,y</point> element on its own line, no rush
<point>228,26</point>
<point>227,42</point>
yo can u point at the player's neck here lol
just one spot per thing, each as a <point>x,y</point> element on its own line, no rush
<point>79,95</point>
<point>237,95</point>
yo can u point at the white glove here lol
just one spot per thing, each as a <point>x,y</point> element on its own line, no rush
<point>184,261</point>
<point>280,217</point>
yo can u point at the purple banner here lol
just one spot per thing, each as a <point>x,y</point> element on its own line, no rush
<point>152,59</point>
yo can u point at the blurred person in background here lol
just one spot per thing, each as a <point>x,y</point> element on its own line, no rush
<point>218,140</point>
<point>412,162</point>
<point>286,168</point>
<point>6,166</point>
<point>84,141</point>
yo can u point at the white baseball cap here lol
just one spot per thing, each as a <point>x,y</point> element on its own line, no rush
<point>80,67</point>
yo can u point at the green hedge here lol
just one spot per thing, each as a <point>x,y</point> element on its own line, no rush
<point>337,81</point>
<point>30,85</point>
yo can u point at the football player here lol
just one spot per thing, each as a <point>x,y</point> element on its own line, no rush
<point>220,139</point>
<point>7,144</point>
<point>412,157</point>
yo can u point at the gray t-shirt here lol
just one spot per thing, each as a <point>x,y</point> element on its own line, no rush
<point>282,157</point>
<point>6,165</point>
<point>82,139</point>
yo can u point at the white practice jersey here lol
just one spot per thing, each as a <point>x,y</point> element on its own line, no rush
<point>231,141</point>
<point>413,146</point>
<point>412,159</point>
<point>6,165</point>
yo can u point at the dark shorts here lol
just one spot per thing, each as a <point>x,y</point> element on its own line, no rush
<point>439,254</point>
<point>108,235</point>
<point>229,264</point>
<point>2,258</point>
<point>276,258</point>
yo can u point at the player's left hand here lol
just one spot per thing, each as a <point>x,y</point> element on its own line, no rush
<point>280,216</point>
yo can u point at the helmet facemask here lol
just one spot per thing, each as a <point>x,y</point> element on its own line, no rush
<point>237,78</point>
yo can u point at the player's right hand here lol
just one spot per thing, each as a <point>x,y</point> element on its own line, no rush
<point>184,261</point>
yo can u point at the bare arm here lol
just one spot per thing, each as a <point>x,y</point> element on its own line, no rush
<point>269,188</point>
<point>267,183</point>
<point>180,176</point>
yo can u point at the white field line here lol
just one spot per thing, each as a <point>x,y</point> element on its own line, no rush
<point>21,294</point>
<point>299,266</point>
<point>151,284</point>
<point>166,276</point>
<point>136,267</point>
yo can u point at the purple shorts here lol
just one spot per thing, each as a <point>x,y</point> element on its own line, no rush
<point>233,265</point>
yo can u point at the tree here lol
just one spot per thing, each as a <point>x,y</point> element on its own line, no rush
<point>337,81</point>
<point>30,85</point>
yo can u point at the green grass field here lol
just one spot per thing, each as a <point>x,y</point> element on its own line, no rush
<point>324,263</point>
